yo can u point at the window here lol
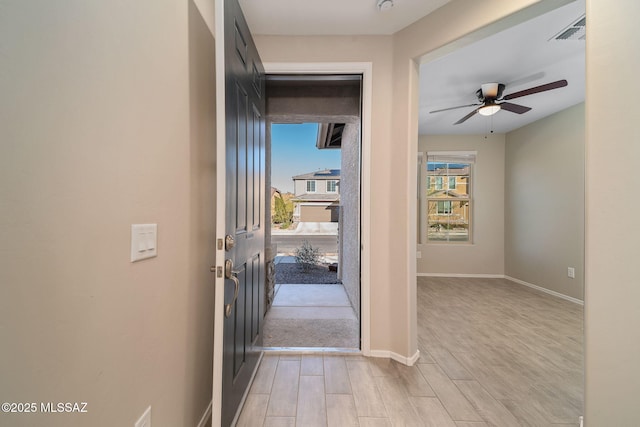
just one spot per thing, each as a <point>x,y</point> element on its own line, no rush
<point>311,186</point>
<point>332,186</point>
<point>439,184</point>
<point>448,197</point>
<point>444,208</point>
<point>452,183</point>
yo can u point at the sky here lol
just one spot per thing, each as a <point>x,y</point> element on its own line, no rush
<point>294,152</point>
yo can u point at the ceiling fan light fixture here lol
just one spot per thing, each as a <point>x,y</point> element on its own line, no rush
<point>384,5</point>
<point>489,109</point>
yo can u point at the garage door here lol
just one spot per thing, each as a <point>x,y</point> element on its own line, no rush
<point>318,213</point>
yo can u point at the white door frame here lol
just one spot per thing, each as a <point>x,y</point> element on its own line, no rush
<point>366,69</point>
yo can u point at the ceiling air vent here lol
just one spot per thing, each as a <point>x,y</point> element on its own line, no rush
<point>575,31</point>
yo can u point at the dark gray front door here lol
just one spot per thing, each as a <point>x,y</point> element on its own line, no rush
<point>245,209</point>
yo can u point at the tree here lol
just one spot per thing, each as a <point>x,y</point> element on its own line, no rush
<point>283,213</point>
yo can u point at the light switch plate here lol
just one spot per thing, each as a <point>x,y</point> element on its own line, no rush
<point>144,241</point>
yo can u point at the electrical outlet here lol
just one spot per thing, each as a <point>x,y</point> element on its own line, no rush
<point>418,254</point>
<point>145,419</point>
<point>571,272</point>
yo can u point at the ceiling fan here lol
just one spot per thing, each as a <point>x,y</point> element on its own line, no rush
<point>490,99</point>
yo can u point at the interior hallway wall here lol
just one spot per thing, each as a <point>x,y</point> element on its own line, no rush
<point>97,126</point>
<point>612,349</point>
<point>544,210</point>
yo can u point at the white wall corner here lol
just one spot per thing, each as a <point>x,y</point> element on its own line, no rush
<point>409,361</point>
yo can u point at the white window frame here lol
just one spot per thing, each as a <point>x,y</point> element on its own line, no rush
<point>315,187</point>
<point>335,186</point>
<point>466,157</point>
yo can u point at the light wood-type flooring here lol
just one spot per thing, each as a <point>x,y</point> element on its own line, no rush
<point>493,353</point>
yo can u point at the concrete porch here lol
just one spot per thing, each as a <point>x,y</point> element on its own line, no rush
<point>310,316</point>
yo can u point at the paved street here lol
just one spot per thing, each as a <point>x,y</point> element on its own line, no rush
<point>288,243</point>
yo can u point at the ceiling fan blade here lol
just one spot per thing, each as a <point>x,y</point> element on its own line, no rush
<point>454,108</point>
<point>537,89</point>
<point>514,108</point>
<point>467,117</point>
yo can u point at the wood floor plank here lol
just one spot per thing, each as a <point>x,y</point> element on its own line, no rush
<point>450,365</point>
<point>284,393</point>
<point>366,395</point>
<point>526,413</point>
<point>290,356</point>
<point>312,365</point>
<point>382,367</point>
<point>414,381</point>
<point>336,377</point>
<point>341,410</point>
<point>432,412</point>
<point>452,399</point>
<point>264,377</point>
<point>253,411</point>
<point>396,400</point>
<point>471,424</point>
<point>425,356</point>
<point>491,410</point>
<point>312,410</point>
<point>374,422</point>
<point>279,422</point>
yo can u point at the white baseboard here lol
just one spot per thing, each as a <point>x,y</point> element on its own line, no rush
<point>476,276</point>
<point>545,290</point>
<point>409,361</point>
<point>204,421</point>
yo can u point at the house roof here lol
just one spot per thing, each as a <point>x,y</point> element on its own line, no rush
<point>321,174</point>
<point>447,194</point>
<point>311,197</point>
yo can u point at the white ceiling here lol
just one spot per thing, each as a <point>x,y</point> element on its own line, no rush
<point>520,57</point>
<point>333,17</point>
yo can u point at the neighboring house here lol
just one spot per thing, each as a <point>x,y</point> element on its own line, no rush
<point>317,196</point>
<point>448,200</point>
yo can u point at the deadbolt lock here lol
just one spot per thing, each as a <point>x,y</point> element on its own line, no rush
<point>229,242</point>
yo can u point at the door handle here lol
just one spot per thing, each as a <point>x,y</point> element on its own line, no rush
<point>229,273</point>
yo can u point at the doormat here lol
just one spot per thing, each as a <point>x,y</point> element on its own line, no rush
<point>338,333</point>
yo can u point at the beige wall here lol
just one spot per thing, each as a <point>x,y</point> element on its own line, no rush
<point>544,209</point>
<point>486,254</point>
<point>612,291</point>
<point>96,136</point>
